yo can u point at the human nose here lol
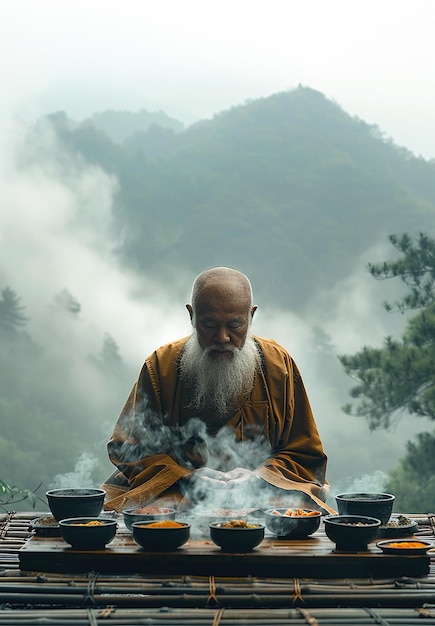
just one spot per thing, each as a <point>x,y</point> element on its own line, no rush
<point>222,335</point>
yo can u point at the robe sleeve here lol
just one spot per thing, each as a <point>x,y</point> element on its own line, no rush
<point>141,449</point>
<point>298,461</point>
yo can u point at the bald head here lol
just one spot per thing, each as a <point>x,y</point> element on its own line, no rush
<point>222,307</point>
<point>226,281</point>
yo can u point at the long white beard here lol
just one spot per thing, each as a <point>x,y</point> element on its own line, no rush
<point>218,381</point>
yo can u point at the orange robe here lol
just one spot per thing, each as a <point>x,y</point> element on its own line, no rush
<point>277,407</point>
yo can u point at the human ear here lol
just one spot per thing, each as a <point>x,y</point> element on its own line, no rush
<point>189,308</point>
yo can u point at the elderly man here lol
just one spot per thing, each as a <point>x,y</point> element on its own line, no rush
<point>222,412</point>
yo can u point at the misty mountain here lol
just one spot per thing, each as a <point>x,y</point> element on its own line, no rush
<point>120,125</point>
<point>289,189</point>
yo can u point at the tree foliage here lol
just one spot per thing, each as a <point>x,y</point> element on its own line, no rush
<point>11,495</point>
<point>400,376</point>
<point>54,405</point>
<point>109,359</point>
<point>12,315</point>
<point>416,269</point>
<point>413,480</point>
<point>64,300</point>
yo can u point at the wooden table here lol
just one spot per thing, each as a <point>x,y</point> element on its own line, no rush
<point>312,557</point>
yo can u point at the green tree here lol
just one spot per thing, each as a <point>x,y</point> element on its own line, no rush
<point>65,301</point>
<point>413,480</point>
<point>11,310</point>
<point>400,377</point>
<point>109,359</point>
<point>416,269</point>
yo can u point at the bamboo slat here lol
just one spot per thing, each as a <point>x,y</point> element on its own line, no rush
<point>164,617</point>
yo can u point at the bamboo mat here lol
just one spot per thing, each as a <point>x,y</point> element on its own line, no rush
<point>126,599</point>
<point>206,617</point>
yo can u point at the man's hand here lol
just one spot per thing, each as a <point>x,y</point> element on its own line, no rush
<point>208,477</point>
<point>204,482</point>
<point>239,476</point>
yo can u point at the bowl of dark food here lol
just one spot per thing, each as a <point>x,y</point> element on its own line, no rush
<point>379,505</point>
<point>73,502</point>
<point>236,535</point>
<point>400,526</point>
<point>88,533</point>
<point>146,514</point>
<point>203,518</point>
<point>292,523</point>
<point>46,526</point>
<point>161,535</point>
<point>351,532</point>
<point>403,546</point>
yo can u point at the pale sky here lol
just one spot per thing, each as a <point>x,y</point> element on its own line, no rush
<point>195,58</point>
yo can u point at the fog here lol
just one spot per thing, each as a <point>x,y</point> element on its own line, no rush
<point>56,237</point>
<point>193,59</point>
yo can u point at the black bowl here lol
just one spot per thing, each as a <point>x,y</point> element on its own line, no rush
<point>47,526</point>
<point>418,546</point>
<point>351,532</point>
<point>397,527</point>
<point>236,539</point>
<point>205,517</point>
<point>160,538</point>
<point>379,505</point>
<point>65,503</point>
<point>138,514</point>
<point>82,534</point>
<point>291,527</point>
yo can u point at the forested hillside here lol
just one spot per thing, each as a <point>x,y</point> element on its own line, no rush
<point>52,406</point>
<point>288,188</point>
<point>120,126</point>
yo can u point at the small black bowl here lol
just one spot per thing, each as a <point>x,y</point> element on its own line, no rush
<point>378,505</point>
<point>351,532</point>
<point>291,527</point>
<point>47,526</point>
<point>146,514</point>
<point>160,538</point>
<point>397,527</point>
<point>72,502</point>
<point>82,533</point>
<point>237,539</point>
<point>204,518</point>
<point>414,546</point>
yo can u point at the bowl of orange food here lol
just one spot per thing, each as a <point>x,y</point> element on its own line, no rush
<point>405,546</point>
<point>161,535</point>
<point>88,533</point>
<point>292,523</point>
<point>146,514</point>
